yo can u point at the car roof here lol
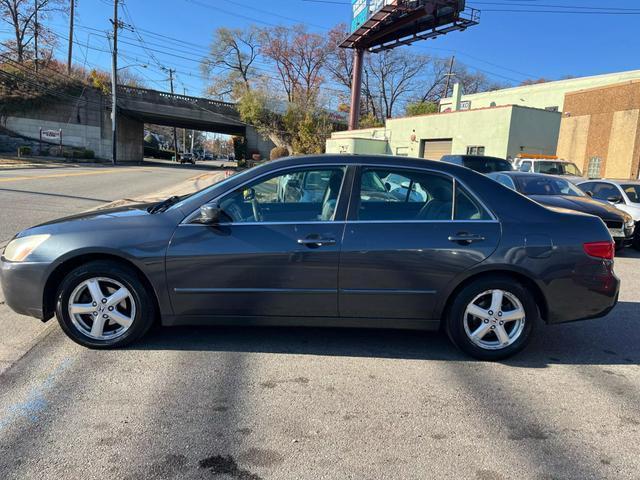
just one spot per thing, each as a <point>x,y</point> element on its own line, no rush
<point>519,174</point>
<point>474,157</point>
<point>612,180</point>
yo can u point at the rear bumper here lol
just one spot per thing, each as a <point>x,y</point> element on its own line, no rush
<point>591,292</point>
<point>23,287</point>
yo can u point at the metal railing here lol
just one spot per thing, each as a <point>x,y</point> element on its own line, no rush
<point>156,96</point>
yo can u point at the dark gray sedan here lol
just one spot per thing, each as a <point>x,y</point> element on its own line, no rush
<point>465,254</point>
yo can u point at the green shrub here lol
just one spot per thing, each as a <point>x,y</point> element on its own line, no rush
<point>89,154</point>
<point>278,152</point>
<point>67,153</point>
<point>44,152</point>
<point>24,150</point>
<point>77,154</point>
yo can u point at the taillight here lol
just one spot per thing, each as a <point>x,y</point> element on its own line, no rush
<point>605,250</point>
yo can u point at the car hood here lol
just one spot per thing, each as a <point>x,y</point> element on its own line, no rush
<point>129,210</point>
<point>581,204</point>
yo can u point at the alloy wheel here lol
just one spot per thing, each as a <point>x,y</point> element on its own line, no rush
<point>102,308</point>
<point>494,319</point>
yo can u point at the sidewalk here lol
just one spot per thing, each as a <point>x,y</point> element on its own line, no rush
<point>12,161</point>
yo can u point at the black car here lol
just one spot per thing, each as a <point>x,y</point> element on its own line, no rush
<point>481,261</point>
<point>479,163</point>
<point>557,192</point>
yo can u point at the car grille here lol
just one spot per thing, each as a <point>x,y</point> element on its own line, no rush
<point>612,224</point>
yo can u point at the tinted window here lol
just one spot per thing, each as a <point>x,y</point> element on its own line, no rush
<point>417,196</point>
<point>633,192</point>
<point>547,186</point>
<point>557,168</point>
<point>297,196</point>
<point>487,164</point>
<point>467,208</point>
<point>525,166</point>
<point>506,181</point>
<point>603,191</point>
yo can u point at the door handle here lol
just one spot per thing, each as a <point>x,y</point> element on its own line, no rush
<point>466,238</point>
<point>316,242</point>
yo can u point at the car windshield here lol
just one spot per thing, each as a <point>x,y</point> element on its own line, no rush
<point>558,168</point>
<point>633,192</point>
<point>548,186</point>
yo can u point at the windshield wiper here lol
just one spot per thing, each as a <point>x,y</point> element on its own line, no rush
<point>163,205</point>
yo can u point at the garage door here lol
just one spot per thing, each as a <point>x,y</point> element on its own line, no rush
<point>435,149</point>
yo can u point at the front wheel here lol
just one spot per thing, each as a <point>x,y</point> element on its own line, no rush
<point>492,318</point>
<point>104,304</point>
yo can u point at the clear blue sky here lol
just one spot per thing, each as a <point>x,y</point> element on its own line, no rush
<point>507,46</point>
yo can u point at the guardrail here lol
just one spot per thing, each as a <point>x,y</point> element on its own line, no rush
<point>156,96</point>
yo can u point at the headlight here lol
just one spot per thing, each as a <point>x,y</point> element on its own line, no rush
<point>20,248</point>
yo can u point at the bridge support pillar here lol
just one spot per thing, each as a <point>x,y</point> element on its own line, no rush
<point>257,143</point>
<point>130,139</point>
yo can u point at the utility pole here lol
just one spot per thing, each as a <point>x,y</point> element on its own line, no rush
<point>71,15</point>
<point>114,85</point>
<point>184,130</point>
<point>35,35</point>
<point>175,132</point>
<point>449,75</point>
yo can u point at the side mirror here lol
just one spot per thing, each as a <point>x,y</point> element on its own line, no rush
<point>387,186</point>
<point>615,199</point>
<point>589,193</point>
<point>249,194</point>
<point>210,213</point>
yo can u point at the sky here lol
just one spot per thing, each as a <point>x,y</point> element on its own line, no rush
<point>507,46</point>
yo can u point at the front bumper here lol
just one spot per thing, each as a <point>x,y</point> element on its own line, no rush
<point>623,235</point>
<point>23,287</point>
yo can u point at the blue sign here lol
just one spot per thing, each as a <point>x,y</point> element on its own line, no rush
<point>360,13</point>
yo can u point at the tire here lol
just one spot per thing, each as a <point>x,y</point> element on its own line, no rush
<point>138,308</point>
<point>517,302</point>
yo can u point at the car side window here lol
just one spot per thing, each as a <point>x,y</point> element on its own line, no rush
<point>390,194</point>
<point>467,208</point>
<point>302,195</point>
<point>603,191</point>
<point>525,166</point>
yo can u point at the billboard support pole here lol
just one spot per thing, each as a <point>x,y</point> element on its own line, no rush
<point>356,89</point>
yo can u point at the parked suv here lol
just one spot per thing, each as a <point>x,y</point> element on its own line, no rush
<point>479,163</point>
<point>569,170</point>
<point>624,194</point>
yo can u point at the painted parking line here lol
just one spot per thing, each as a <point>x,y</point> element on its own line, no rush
<point>66,175</point>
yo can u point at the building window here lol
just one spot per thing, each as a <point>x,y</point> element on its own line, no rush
<point>475,150</point>
<point>594,169</point>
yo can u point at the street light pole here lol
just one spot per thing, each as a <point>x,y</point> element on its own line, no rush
<point>71,19</point>
<point>356,89</point>
<point>114,86</point>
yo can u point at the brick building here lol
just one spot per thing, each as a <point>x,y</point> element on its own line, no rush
<point>600,130</point>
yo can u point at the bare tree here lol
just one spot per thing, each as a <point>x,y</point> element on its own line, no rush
<point>299,57</point>
<point>21,16</point>
<point>231,61</point>
<point>391,77</point>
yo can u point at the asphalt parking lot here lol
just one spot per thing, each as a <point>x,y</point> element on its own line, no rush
<point>282,403</point>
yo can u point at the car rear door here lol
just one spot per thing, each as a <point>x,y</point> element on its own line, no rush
<point>399,255</point>
<point>270,257</point>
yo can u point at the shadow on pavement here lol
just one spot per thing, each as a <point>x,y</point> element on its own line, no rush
<point>75,197</point>
<point>612,340</point>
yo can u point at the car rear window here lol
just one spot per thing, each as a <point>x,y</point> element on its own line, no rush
<point>487,164</point>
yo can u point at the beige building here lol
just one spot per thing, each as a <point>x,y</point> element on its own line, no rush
<point>502,123</point>
<point>600,130</point>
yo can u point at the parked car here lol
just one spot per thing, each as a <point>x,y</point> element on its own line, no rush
<point>557,192</point>
<point>479,163</point>
<point>208,156</point>
<point>623,194</point>
<point>187,158</point>
<point>482,262</point>
<point>550,167</point>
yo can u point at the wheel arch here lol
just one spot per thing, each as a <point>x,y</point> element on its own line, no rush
<point>61,270</point>
<point>520,277</point>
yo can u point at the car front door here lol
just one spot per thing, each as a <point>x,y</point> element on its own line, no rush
<point>400,254</point>
<point>272,253</point>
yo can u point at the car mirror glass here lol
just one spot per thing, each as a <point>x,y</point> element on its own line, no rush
<point>615,199</point>
<point>210,214</point>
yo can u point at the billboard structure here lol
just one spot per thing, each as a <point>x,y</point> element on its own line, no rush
<point>378,25</point>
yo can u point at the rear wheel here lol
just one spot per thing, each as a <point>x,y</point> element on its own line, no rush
<point>492,318</point>
<point>104,305</point>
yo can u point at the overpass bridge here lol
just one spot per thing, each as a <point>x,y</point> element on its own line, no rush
<point>183,111</point>
<point>85,119</point>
